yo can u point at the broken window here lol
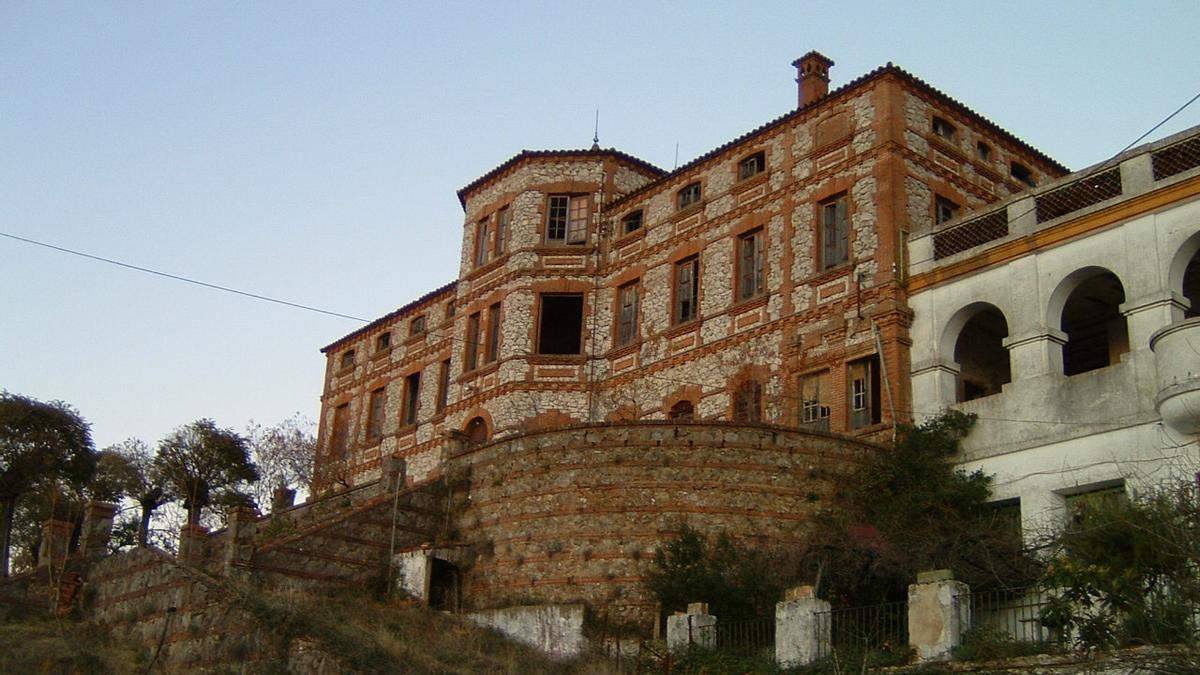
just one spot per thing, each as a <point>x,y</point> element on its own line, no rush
<point>443,391</point>
<point>631,222</point>
<point>984,150</point>
<point>566,220</point>
<point>1022,173</point>
<point>347,359</point>
<point>472,346</point>
<point>752,165</point>
<point>864,392</point>
<point>383,342</point>
<point>417,326</point>
<point>560,330</point>
<point>751,256</point>
<point>1095,327</point>
<point>687,289</point>
<point>944,129</point>
<point>944,209</point>
<point>481,243</point>
<point>493,334</point>
<point>982,358</point>
<point>627,321</point>
<point>375,413</point>
<point>477,432</point>
<point>412,397</point>
<point>747,402</point>
<point>814,403</point>
<point>688,196</point>
<point>835,232</point>
<point>341,430</point>
<point>683,411</point>
<point>502,218</point>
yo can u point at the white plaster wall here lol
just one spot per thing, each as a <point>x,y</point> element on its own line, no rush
<point>556,630</point>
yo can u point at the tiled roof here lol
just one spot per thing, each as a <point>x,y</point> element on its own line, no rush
<point>391,315</point>
<point>531,154</point>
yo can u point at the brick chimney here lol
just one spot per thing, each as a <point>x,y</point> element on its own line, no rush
<point>812,74</point>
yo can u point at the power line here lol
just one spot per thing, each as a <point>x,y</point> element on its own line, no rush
<point>188,280</point>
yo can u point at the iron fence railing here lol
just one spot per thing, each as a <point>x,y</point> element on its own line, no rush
<point>749,634</point>
<point>872,628</point>
<point>1015,614</point>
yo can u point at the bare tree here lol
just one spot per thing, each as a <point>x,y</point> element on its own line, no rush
<point>284,454</point>
<point>200,459</point>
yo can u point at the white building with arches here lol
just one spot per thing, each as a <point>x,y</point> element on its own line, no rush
<point>1068,320</point>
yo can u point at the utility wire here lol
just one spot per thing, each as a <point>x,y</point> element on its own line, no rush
<point>188,280</point>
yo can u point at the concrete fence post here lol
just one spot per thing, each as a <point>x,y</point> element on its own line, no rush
<point>97,529</point>
<point>939,611</point>
<point>239,537</point>
<point>694,627</point>
<point>801,627</point>
<point>55,545</point>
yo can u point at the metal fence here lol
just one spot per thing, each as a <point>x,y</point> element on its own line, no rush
<point>1016,614</point>
<point>873,628</point>
<point>747,635</point>
<point>1176,158</point>
<point>970,233</point>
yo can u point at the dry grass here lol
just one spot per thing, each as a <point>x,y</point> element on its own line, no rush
<point>32,642</point>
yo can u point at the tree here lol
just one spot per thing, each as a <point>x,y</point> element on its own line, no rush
<point>38,440</point>
<point>142,481</point>
<point>200,458</point>
<point>284,454</point>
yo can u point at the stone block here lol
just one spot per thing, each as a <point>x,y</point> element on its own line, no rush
<point>802,627</point>
<point>938,614</point>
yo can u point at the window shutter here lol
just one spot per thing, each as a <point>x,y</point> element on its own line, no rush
<point>843,232</point>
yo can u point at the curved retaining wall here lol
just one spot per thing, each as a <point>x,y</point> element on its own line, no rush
<point>576,514</point>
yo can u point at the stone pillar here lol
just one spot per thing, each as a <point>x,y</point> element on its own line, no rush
<point>239,538</point>
<point>282,498</point>
<point>1146,316</point>
<point>694,627</point>
<point>1022,216</point>
<point>1037,354</point>
<point>97,528</point>
<point>56,543</point>
<point>934,387</point>
<point>939,611</point>
<point>395,472</point>
<point>801,627</point>
<point>193,543</point>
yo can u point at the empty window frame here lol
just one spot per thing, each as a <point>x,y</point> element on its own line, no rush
<point>375,413</point>
<point>814,403</point>
<point>412,398</point>
<point>752,165</point>
<point>493,334</point>
<point>417,325</point>
<point>450,309</point>
<point>751,281</point>
<point>984,150</point>
<point>443,392</point>
<point>566,219</point>
<point>683,411</point>
<point>383,342</point>
<point>835,232</point>
<point>340,436</point>
<point>747,402</point>
<point>477,432</point>
<point>944,129</point>
<point>1082,505</point>
<point>347,359</point>
<point>503,216</point>
<point>687,290</point>
<point>1022,173</point>
<point>944,209</point>
<point>628,300</point>
<point>481,243</point>
<point>471,360</point>
<point>560,327</point>
<point>1097,331</point>
<point>631,222</point>
<point>863,390</point>
<point>688,196</point>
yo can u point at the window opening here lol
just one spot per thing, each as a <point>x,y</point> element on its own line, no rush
<point>1096,331</point>
<point>687,289</point>
<point>944,129</point>
<point>747,402</point>
<point>443,392</point>
<point>450,309</point>
<point>864,392</point>
<point>982,358</point>
<point>472,360</point>
<point>417,326</point>
<point>560,330</point>
<point>627,326</point>
<point>683,411</point>
<point>814,407</point>
<point>944,209</point>
<point>383,342</point>
<point>984,150</point>
<point>477,432</point>
<point>750,265</point>
<point>631,222</point>
<point>835,232</point>
<point>348,359</point>
<point>1080,503</point>
<point>688,196</point>
<point>566,222</point>
<point>1022,173</point>
<point>1191,286</point>
<point>502,218</point>
<point>752,165</point>
<point>493,334</point>
<point>341,430</point>
<point>375,413</point>
<point>481,243</point>
<point>412,397</point>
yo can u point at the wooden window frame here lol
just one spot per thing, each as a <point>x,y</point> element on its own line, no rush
<point>690,286</point>
<point>628,312</point>
<point>689,196</point>
<point>944,206</point>
<point>834,221</point>
<point>633,221</point>
<point>750,265</point>
<point>412,399</point>
<point>376,413</point>
<point>471,348</point>
<point>752,165</point>
<point>443,391</point>
<point>481,242</point>
<point>567,219</point>
<point>492,345</point>
<point>503,220</point>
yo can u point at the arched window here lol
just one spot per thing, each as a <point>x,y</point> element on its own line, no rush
<point>682,411</point>
<point>981,355</point>
<point>477,432</point>
<point>747,402</point>
<point>1095,328</point>
<point>1191,286</point>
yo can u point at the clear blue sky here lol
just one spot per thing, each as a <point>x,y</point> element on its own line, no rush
<point>312,152</point>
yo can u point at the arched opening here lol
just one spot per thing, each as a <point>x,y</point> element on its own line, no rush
<point>1096,331</point>
<point>747,402</point>
<point>477,432</point>
<point>682,411</point>
<point>1191,286</point>
<point>445,586</point>
<point>981,355</point>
